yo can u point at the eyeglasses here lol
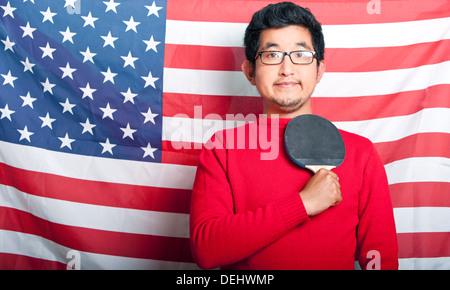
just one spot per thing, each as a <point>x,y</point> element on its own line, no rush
<point>277,57</point>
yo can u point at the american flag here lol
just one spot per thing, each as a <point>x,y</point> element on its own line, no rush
<point>105,106</point>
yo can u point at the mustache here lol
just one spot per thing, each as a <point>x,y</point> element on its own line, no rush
<point>290,81</point>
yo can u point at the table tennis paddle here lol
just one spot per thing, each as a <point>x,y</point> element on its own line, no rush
<point>314,142</point>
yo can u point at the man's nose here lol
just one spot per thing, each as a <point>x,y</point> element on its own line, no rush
<point>287,66</point>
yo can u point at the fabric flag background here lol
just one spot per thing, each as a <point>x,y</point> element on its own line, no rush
<point>105,105</point>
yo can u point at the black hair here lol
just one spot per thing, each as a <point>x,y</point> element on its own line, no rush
<point>278,16</point>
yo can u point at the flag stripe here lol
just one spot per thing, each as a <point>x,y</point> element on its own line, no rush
<point>337,59</point>
<point>433,120</point>
<point>102,242</point>
<point>336,12</point>
<point>337,36</point>
<point>402,103</point>
<point>92,168</point>
<point>26,244</point>
<point>428,194</point>
<point>97,217</point>
<point>423,245</point>
<point>92,192</point>
<point>231,83</point>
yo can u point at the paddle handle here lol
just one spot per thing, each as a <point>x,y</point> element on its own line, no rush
<point>315,168</point>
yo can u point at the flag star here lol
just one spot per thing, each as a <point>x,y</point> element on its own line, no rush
<point>108,112</point>
<point>68,35</point>
<point>151,44</point>
<point>89,20</point>
<point>88,55</point>
<point>70,3</point>
<point>153,9</point>
<point>25,134</point>
<point>149,116</point>
<point>48,86</point>
<point>8,10</point>
<point>111,5</point>
<point>148,151</point>
<point>6,112</point>
<point>47,121</point>
<point>66,141</point>
<point>129,60</point>
<point>32,1</point>
<point>128,132</point>
<point>9,79</point>
<point>8,44</point>
<point>28,100</point>
<point>48,15</point>
<point>27,65</point>
<point>87,92</point>
<point>131,24</point>
<point>67,71</point>
<point>107,146</point>
<point>87,127</point>
<point>47,51</point>
<point>109,76</point>
<point>150,80</point>
<point>67,106</point>
<point>129,96</point>
<point>28,30</point>
<point>109,40</point>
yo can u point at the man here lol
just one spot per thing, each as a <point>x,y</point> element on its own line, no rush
<point>249,213</point>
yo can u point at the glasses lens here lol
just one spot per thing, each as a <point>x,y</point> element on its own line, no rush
<point>302,57</point>
<point>272,57</point>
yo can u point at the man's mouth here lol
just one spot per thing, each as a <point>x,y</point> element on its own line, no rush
<point>287,84</point>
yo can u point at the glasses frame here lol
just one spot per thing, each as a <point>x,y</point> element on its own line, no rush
<point>284,54</point>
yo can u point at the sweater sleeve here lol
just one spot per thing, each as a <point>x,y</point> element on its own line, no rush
<point>219,236</point>
<point>376,233</point>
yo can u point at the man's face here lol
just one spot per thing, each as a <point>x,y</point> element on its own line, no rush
<point>285,88</point>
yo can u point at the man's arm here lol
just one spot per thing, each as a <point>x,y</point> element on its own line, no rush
<point>377,237</point>
<point>221,237</point>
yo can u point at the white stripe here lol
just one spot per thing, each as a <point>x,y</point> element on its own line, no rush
<point>419,169</point>
<point>336,36</point>
<point>41,248</point>
<point>333,84</point>
<point>356,84</point>
<point>207,82</point>
<point>440,263</point>
<point>432,120</point>
<point>97,168</point>
<point>422,219</point>
<point>95,216</point>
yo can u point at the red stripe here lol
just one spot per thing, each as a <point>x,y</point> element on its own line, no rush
<point>423,245</point>
<point>417,145</point>
<point>350,109</point>
<point>184,153</point>
<point>381,106</point>
<point>337,59</point>
<point>336,12</point>
<point>183,105</point>
<point>19,262</point>
<point>99,241</point>
<point>94,192</point>
<point>416,194</point>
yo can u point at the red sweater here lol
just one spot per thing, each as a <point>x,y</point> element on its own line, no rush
<point>246,213</point>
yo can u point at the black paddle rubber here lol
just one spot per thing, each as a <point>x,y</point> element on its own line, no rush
<point>314,142</point>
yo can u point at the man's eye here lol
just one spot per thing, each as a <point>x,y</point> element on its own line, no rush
<point>273,55</point>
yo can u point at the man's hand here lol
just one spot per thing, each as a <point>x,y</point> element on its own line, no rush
<point>322,191</point>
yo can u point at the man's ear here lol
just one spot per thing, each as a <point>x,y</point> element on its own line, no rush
<point>247,69</point>
<point>320,71</point>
